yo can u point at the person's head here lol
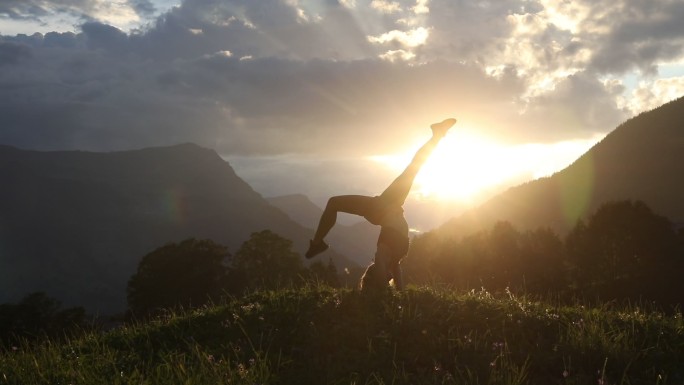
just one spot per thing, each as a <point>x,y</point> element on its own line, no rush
<point>375,279</point>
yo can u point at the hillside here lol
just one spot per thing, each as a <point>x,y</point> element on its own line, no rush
<point>75,224</point>
<point>318,335</point>
<point>640,160</point>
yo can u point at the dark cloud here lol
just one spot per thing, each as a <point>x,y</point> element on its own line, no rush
<point>639,35</point>
<point>12,53</point>
<point>143,7</point>
<point>258,29</point>
<point>36,9</point>
<point>266,105</point>
<point>472,30</point>
<point>568,109</point>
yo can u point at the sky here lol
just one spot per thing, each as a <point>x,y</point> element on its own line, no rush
<point>332,97</point>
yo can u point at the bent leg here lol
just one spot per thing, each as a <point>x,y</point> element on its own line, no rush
<point>351,204</point>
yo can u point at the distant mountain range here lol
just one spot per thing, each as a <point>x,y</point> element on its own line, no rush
<point>642,159</point>
<point>75,224</point>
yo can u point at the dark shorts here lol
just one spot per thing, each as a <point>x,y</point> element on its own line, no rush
<point>376,209</point>
<point>397,242</point>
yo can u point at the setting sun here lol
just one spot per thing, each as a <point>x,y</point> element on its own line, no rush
<point>466,165</point>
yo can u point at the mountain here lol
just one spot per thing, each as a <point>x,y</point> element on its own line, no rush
<point>298,207</point>
<point>356,241</point>
<point>640,160</point>
<point>75,224</point>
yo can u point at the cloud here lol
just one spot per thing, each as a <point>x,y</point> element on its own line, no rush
<point>328,77</point>
<point>385,6</point>
<point>642,34</point>
<point>143,7</point>
<point>651,94</point>
<point>410,39</point>
<point>121,12</point>
<point>13,53</point>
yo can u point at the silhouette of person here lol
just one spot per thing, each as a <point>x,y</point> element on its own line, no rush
<point>384,210</point>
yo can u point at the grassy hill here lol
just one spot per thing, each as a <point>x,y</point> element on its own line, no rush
<point>319,335</point>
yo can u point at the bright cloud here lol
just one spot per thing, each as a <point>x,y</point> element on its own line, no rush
<point>411,38</point>
<point>421,7</point>
<point>649,95</point>
<point>398,54</point>
<point>385,6</point>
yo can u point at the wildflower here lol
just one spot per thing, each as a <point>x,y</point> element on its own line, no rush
<point>242,371</point>
<point>565,374</point>
<point>210,358</point>
<point>498,345</point>
<point>14,348</point>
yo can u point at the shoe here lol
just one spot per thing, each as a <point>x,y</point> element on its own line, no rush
<point>441,128</point>
<point>315,249</point>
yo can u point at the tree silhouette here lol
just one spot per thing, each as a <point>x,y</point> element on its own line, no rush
<point>499,258</point>
<point>188,273</point>
<point>541,255</point>
<point>266,260</point>
<point>38,315</point>
<point>624,250</point>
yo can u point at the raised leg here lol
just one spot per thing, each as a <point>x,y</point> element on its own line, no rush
<point>399,189</point>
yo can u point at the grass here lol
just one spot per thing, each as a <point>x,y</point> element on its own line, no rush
<point>319,335</point>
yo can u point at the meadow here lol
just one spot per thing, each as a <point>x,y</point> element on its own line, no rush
<point>320,335</point>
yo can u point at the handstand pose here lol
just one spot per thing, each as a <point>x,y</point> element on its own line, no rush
<point>384,210</point>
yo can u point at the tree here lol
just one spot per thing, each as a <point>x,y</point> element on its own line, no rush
<point>625,250</point>
<point>266,260</point>
<point>38,315</point>
<point>541,254</point>
<point>505,266</point>
<point>188,273</point>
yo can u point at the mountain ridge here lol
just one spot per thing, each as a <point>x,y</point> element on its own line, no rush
<point>75,223</point>
<point>638,160</point>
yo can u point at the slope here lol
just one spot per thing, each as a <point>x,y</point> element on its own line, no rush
<point>75,224</point>
<point>640,160</point>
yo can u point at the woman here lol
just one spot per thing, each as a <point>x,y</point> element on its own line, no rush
<point>384,210</point>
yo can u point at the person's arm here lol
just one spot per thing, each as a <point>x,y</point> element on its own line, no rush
<point>396,275</point>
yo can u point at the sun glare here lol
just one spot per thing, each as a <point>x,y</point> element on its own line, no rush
<point>465,166</point>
